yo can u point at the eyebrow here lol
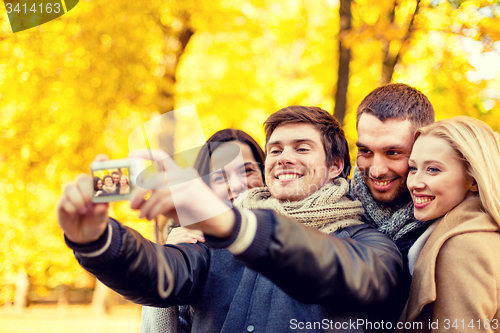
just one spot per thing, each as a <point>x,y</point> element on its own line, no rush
<point>278,142</point>
<point>428,162</point>
<point>393,147</point>
<point>242,165</point>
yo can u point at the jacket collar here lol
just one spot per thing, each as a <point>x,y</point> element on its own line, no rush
<point>468,216</point>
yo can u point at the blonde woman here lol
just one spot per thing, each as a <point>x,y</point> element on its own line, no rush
<point>454,179</point>
<point>124,185</point>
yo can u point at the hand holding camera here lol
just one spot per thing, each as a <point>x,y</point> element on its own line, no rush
<point>82,221</point>
<point>83,210</point>
<point>186,198</point>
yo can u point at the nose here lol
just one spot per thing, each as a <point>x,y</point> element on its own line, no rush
<point>236,184</point>
<point>415,181</point>
<point>379,168</point>
<point>286,157</point>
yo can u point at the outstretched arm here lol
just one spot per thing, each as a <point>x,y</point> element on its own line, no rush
<point>361,268</point>
<point>128,263</point>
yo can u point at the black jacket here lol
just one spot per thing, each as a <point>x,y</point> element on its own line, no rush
<point>290,278</point>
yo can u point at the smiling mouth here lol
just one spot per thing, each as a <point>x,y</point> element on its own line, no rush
<point>381,183</point>
<point>288,176</point>
<point>422,200</point>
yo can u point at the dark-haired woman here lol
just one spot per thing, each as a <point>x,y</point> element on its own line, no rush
<point>228,174</point>
<point>97,186</point>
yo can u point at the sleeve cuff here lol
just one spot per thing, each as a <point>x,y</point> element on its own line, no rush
<point>251,236</point>
<point>101,250</point>
<point>222,243</point>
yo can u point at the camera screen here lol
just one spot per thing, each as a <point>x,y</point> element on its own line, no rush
<point>115,181</point>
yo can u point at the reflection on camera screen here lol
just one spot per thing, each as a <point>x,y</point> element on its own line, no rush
<point>114,181</point>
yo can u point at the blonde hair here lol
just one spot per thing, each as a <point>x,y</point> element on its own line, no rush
<point>476,143</point>
<point>128,183</point>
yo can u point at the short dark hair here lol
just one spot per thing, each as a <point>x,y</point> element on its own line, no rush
<point>202,163</point>
<point>400,101</point>
<point>331,132</point>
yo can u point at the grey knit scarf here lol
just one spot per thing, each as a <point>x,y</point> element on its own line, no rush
<point>392,221</point>
<point>327,209</point>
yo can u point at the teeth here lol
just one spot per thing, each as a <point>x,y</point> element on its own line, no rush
<point>288,176</point>
<point>381,183</point>
<point>421,200</point>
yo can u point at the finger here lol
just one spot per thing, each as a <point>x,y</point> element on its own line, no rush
<point>157,181</point>
<point>187,233</point>
<point>194,233</point>
<point>152,205</point>
<point>137,197</point>
<point>66,205</point>
<point>195,237</point>
<point>163,205</point>
<point>179,240</point>
<point>100,158</point>
<point>100,209</point>
<point>85,185</point>
<point>75,198</point>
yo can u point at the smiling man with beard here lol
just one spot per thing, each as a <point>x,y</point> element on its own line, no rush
<point>386,121</point>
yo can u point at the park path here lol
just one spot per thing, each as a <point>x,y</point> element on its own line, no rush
<point>70,319</point>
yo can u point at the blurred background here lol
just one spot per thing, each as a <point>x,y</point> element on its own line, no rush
<point>80,84</point>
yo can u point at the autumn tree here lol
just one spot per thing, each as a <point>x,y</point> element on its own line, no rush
<point>72,88</point>
<point>79,85</point>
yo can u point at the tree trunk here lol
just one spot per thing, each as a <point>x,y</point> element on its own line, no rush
<point>167,100</point>
<point>344,60</point>
<point>101,298</point>
<point>22,289</point>
<point>390,60</point>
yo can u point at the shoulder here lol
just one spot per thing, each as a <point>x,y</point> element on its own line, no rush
<point>471,245</point>
<point>363,231</point>
<point>371,238</point>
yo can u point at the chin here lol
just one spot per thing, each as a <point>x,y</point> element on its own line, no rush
<point>284,194</point>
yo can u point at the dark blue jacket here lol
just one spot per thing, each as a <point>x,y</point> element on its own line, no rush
<point>291,278</point>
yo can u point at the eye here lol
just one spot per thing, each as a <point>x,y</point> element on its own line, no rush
<point>364,151</point>
<point>393,153</point>
<point>274,151</point>
<point>433,170</point>
<point>219,179</point>
<point>302,150</point>
<point>412,169</point>
<point>249,171</point>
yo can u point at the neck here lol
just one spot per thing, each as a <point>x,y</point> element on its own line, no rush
<point>400,201</point>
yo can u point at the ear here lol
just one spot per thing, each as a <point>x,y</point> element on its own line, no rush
<point>474,187</point>
<point>336,169</point>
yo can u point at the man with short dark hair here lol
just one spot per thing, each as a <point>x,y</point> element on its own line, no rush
<point>287,275</point>
<point>116,180</point>
<point>386,120</point>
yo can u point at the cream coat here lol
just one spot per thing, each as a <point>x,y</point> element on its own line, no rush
<point>457,275</point>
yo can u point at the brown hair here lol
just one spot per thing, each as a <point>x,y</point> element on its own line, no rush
<point>331,132</point>
<point>400,101</point>
<point>202,163</point>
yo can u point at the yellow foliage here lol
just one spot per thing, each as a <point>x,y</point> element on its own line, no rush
<point>79,85</point>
